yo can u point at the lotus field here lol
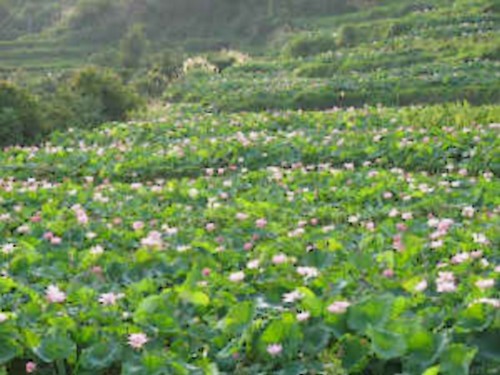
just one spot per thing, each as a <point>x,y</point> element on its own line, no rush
<point>336,242</point>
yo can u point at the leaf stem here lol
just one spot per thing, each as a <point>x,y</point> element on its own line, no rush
<point>61,368</point>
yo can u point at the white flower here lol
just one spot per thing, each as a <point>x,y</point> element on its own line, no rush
<point>3,317</point>
<point>468,211</point>
<point>237,276</point>
<point>193,193</point>
<point>292,296</point>
<point>407,216</point>
<point>8,248</point>
<point>97,250</point>
<point>253,264</point>
<point>485,283</point>
<point>480,238</point>
<point>109,299</point>
<point>421,286</point>
<point>303,316</point>
<point>488,301</point>
<point>338,307</point>
<point>308,272</point>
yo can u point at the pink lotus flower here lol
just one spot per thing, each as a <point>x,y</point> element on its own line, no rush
<point>274,349</point>
<point>303,316</point>
<point>137,340</point>
<point>55,295</point>
<point>261,223</point>
<point>397,243</point>
<point>137,225</point>
<point>291,297</point>
<point>338,307</point>
<point>56,240</point>
<point>81,215</point>
<point>206,272</point>
<point>402,227</point>
<point>308,272</point>
<point>210,227</point>
<point>30,367</point>
<point>388,273</point>
<point>36,219</point>
<point>370,226</point>
<point>110,299</point>
<point>445,283</point>
<point>279,258</point>
<point>48,236</point>
<point>460,258</point>
<point>248,246</point>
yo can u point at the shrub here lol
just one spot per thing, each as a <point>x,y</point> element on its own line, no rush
<point>93,96</point>
<point>309,45</point>
<point>227,58</point>
<point>397,29</point>
<point>198,64</point>
<point>316,70</point>
<point>20,120</point>
<point>347,36</point>
<point>151,83</point>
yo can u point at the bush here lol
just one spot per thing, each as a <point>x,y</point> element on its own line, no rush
<point>316,70</point>
<point>20,120</point>
<point>93,96</point>
<point>398,29</point>
<point>347,36</point>
<point>309,45</point>
<point>227,58</point>
<point>198,64</point>
<point>151,83</point>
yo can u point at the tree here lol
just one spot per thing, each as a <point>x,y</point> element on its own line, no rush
<point>20,120</point>
<point>133,46</point>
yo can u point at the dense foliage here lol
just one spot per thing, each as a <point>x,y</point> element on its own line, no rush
<point>232,227</point>
<point>20,119</point>
<point>287,243</point>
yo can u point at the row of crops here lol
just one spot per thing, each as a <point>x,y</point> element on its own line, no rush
<point>443,53</point>
<point>259,243</point>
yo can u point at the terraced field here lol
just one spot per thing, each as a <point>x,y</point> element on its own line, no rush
<point>392,55</point>
<point>320,208</point>
<point>288,243</point>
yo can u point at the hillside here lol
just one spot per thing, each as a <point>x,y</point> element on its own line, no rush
<point>392,55</point>
<point>320,199</point>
